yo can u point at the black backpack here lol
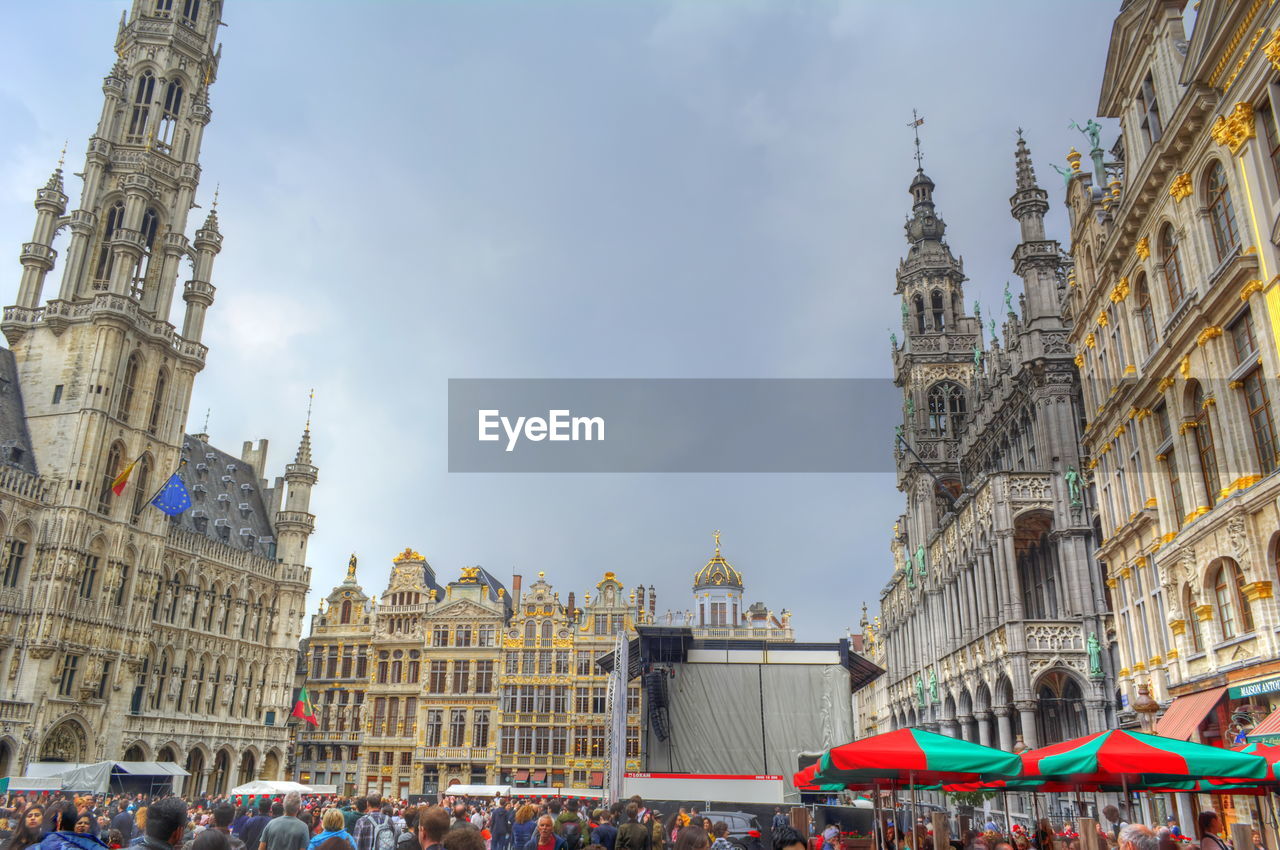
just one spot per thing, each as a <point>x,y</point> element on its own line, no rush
<point>572,834</point>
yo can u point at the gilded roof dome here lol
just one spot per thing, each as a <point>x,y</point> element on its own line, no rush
<point>718,572</point>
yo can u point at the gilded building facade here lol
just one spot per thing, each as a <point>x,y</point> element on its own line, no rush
<point>127,633</point>
<point>1175,299</point>
<point>993,623</point>
<point>335,661</point>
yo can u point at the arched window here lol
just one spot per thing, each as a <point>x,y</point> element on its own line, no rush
<point>1234,614</point>
<point>1204,445</point>
<point>546,633</point>
<point>15,556</point>
<point>164,8</point>
<point>127,387</point>
<point>946,409</point>
<point>141,488</point>
<point>939,313</point>
<point>346,612</point>
<point>142,95</point>
<point>1222,217</point>
<point>1061,712</point>
<point>530,632</point>
<point>113,467</point>
<point>917,307</point>
<point>169,115</point>
<point>190,12</point>
<point>1171,266</point>
<point>113,222</point>
<point>1193,620</point>
<point>162,681</point>
<point>150,224</point>
<point>1146,318</point>
<point>126,568</point>
<point>89,570</point>
<point>157,401</point>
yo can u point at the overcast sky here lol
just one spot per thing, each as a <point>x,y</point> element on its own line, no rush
<point>418,191</point>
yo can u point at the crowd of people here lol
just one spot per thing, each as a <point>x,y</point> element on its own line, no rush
<point>363,823</point>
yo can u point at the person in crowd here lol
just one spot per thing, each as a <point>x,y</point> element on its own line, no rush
<point>287,831</point>
<point>786,837</point>
<point>500,822</point>
<point>1164,836</point>
<point>1111,814</point>
<point>1209,830</point>
<point>333,824</point>
<point>632,835</point>
<point>779,819</point>
<point>692,838</point>
<point>720,835</point>
<point>544,836</point>
<point>252,830</point>
<point>463,839</point>
<point>1171,823</point>
<point>166,821</point>
<point>1001,843</point>
<point>408,839</point>
<point>1044,835</point>
<point>605,834</point>
<point>829,835</point>
<point>61,833</point>
<point>28,830</point>
<point>115,840</point>
<point>461,818</point>
<point>139,825</point>
<point>374,831</point>
<point>102,824</point>
<point>242,817</point>
<point>433,823</point>
<point>123,822</point>
<point>84,824</point>
<point>526,822</point>
<point>211,839</point>
<point>354,812</point>
<point>1138,837</point>
<point>572,826</point>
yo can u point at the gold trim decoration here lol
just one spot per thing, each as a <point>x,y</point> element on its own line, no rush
<point>1178,627</point>
<point>1233,130</point>
<point>1111,583</point>
<point>407,555</point>
<point>1248,51</point>
<point>1143,248</point>
<point>1103,321</point>
<point>1123,671</point>
<point>1172,654</point>
<point>1211,332</point>
<point>1235,385</point>
<point>1169,538</point>
<point>1120,429</point>
<point>1150,503</point>
<point>1184,366</point>
<point>1131,369</point>
<point>1141,413</point>
<point>1079,361</point>
<point>1209,402</point>
<point>1073,157</point>
<point>1165,383</point>
<point>1253,285</point>
<point>1139,667</point>
<point>1204,613</point>
<point>1235,42</point>
<point>1090,341</point>
<point>1185,427</point>
<point>1181,188</point>
<point>1272,50</point>
<point>1126,573</point>
<point>1162,457</point>
<point>1257,590</point>
<point>1245,481</point>
<point>1120,291</point>
<point>1140,561</point>
<point>1071,278</point>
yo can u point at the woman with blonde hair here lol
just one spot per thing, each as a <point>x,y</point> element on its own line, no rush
<point>526,822</point>
<point>334,826</point>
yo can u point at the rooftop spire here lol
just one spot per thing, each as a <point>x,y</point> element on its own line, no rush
<point>1026,172</point>
<point>916,121</point>
<point>304,447</point>
<point>211,221</point>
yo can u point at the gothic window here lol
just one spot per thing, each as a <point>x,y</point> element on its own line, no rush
<point>1222,217</point>
<point>1205,448</point>
<point>141,488</point>
<point>917,307</point>
<point>546,633</point>
<point>946,409</point>
<point>162,681</point>
<point>1029,435</point>
<point>1146,318</point>
<point>190,12</point>
<point>125,569</point>
<point>1254,390</point>
<point>164,8</point>
<point>211,707</point>
<point>345,616</point>
<point>142,95</point>
<point>939,313</point>
<point>128,387</point>
<point>67,674</point>
<point>1233,612</point>
<point>480,728</point>
<point>197,688</point>
<point>115,460</point>
<point>1061,711</point>
<point>530,632</point>
<point>113,222</point>
<point>169,115</point>
<point>1149,111</point>
<point>157,402</point>
<point>15,556</point>
<point>89,572</point>
<point>150,224</point>
<point>1171,266</point>
<point>410,716</point>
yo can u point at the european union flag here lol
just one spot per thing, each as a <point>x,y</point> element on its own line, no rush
<point>172,498</point>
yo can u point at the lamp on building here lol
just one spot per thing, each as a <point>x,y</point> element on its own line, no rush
<point>1146,707</point>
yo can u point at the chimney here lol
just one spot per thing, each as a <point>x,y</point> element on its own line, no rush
<point>571,608</point>
<point>515,588</point>
<point>653,603</point>
<point>640,602</point>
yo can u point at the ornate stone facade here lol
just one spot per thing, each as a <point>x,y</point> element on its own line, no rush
<point>127,633</point>
<point>1181,431</point>
<point>987,624</point>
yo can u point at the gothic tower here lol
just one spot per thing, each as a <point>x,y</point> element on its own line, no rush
<point>934,365</point>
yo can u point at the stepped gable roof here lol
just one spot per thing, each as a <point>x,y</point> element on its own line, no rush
<point>240,519</point>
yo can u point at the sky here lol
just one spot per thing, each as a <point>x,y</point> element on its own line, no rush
<point>416,191</point>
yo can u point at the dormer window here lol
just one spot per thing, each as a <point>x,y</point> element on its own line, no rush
<point>1149,107</point>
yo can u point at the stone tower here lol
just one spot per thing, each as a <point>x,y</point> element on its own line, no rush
<point>934,365</point>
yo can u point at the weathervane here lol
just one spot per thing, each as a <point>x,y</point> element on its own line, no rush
<point>915,126</point>
<point>310,400</point>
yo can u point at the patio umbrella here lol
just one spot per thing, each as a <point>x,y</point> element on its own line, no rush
<point>914,757</point>
<point>1132,759</point>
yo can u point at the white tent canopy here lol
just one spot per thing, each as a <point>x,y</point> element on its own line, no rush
<point>478,790</point>
<point>94,776</point>
<point>271,787</point>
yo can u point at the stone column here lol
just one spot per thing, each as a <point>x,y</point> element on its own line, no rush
<point>1013,606</point>
<point>948,727</point>
<point>1027,711</point>
<point>1189,460</point>
<point>965,722</point>
<point>1095,711</point>
<point>1005,728</point>
<point>984,727</point>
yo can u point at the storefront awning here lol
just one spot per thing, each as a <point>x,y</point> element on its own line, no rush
<point>1267,732</point>
<point>522,775</point>
<point>597,779</point>
<point>539,776</point>
<point>1184,714</point>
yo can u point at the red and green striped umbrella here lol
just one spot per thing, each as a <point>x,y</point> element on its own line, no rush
<point>915,757</point>
<point>1136,759</point>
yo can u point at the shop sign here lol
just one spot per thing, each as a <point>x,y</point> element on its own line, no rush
<point>1253,689</point>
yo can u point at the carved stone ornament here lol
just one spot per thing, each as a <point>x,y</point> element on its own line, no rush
<point>1233,130</point>
<point>1272,50</point>
<point>1143,248</point>
<point>1181,187</point>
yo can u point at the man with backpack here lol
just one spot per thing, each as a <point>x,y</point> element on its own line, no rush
<point>572,827</point>
<point>375,831</point>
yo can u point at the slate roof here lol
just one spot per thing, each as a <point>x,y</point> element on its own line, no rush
<point>227,504</point>
<point>493,583</point>
<point>15,440</point>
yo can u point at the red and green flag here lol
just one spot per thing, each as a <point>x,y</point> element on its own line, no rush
<point>303,709</point>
